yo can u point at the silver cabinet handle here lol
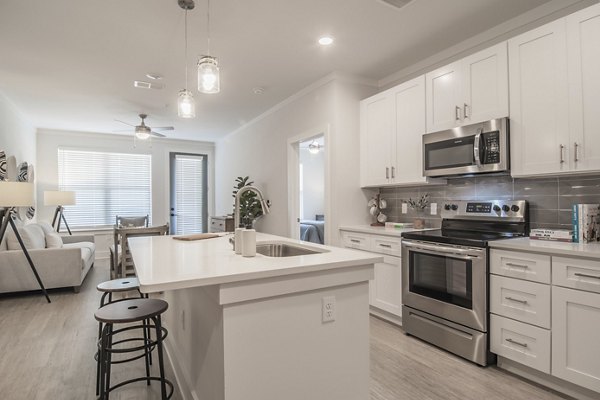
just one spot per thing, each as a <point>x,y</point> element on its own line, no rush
<point>516,300</point>
<point>457,113</point>
<point>355,240</point>
<point>562,156</point>
<point>465,111</point>
<point>517,265</point>
<point>389,246</point>
<point>509,340</point>
<point>393,172</point>
<point>387,173</point>
<point>576,151</point>
<point>586,275</point>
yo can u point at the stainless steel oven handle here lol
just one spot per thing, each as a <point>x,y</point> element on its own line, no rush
<point>443,250</point>
<point>476,147</point>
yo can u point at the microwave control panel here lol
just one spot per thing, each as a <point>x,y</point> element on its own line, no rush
<point>492,147</point>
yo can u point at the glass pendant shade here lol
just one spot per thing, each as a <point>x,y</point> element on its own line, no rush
<point>208,75</point>
<point>186,107</point>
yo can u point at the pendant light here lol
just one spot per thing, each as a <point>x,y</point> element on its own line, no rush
<point>186,107</point>
<point>208,66</point>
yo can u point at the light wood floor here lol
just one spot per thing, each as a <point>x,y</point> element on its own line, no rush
<point>46,352</point>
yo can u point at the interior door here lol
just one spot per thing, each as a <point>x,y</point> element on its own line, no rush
<point>188,192</point>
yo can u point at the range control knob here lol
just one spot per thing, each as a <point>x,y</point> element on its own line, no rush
<point>447,207</point>
<point>454,207</point>
<point>497,208</point>
<point>505,208</point>
<point>515,208</point>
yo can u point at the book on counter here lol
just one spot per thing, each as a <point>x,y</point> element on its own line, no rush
<point>559,235</point>
<point>586,223</point>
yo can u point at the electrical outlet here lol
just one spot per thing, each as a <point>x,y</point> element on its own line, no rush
<point>433,208</point>
<point>404,208</point>
<point>328,308</point>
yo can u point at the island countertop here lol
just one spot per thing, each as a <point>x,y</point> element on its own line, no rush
<point>163,263</point>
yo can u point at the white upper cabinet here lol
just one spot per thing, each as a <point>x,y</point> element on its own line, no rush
<point>376,139</point>
<point>392,126</point>
<point>471,90</point>
<point>583,49</point>
<point>555,96</point>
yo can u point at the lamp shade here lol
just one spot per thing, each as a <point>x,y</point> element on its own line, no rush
<point>16,194</point>
<point>59,198</point>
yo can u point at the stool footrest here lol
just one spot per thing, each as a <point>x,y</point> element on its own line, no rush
<point>152,378</point>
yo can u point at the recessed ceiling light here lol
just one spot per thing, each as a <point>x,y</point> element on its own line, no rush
<point>325,40</point>
<point>147,85</point>
<point>258,90</point>
<point>154,77</point>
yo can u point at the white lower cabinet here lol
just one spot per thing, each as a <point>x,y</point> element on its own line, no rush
<point>575,333</point>
<point>385,290</point>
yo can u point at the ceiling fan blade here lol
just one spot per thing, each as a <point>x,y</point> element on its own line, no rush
<point>163,128</point>
<point>156,134</point>
<point>123,122</point>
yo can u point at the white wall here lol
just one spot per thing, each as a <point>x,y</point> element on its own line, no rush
<point>259,150</point>
<point>49,141</point>
<point>17,135</point>
<point>313,199</point>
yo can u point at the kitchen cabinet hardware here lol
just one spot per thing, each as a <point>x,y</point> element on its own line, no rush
<point>517,265</point>
<point>387,172</point>
<point>562,156</point>
<point>586,275</point>
<point>393,172</point>
<point>355,240</point>
<point>457,113</point>
<point>509,340</point>
<point>576,145</point>
<point>389,246</point>
<point>516,300</point>
<point>465,110</point>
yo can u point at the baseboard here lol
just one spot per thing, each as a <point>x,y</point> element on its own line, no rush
<point>551,382</point>
<point>394,319</point>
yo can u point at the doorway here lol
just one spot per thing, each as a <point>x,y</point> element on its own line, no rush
<point>308,174</point>
<point>188,193</point>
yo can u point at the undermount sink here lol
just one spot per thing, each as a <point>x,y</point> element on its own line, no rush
<point>280,249</point>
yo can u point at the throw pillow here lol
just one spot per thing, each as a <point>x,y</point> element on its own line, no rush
<point>32,235</point>
<point>53,239</point>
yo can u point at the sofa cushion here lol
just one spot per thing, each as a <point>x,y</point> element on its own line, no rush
<point>53,239</point>
<point>32,235</point>
<point>87,250</point>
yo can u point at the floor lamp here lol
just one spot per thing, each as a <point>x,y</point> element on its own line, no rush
<point>17,194</point>
<point>59,199</point>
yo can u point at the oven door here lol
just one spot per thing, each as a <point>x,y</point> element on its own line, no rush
<point>446,281</point>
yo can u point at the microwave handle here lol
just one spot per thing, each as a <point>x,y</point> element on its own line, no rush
<point>476,148</point>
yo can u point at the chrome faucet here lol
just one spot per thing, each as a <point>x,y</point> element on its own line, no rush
<point>236,213</point>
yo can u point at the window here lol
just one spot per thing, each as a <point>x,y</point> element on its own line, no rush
<point>106,185</point>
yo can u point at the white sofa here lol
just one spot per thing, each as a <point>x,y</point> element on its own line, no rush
<point>61,261</point>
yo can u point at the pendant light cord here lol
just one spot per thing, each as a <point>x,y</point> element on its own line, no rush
<point>186,48</point>
<point>208,26</point>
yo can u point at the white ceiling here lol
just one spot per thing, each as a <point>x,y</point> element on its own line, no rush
<point>70,64</point>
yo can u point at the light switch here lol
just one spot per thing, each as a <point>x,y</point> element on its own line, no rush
<point>433,208</point>
<point>404,208</point>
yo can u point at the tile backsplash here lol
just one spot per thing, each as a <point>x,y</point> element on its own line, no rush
<point>550,199</point>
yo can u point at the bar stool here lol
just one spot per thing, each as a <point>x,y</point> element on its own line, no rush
<point>108,288</point>
<point>127,312</point>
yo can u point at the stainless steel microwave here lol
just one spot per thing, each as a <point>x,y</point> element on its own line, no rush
<point>467,150</point>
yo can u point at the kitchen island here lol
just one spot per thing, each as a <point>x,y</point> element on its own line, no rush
<point>257,328</point>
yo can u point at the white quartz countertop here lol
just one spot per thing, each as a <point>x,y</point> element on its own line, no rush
<point>379,230</point>
<point>587,250</point>
<point>163,263</point>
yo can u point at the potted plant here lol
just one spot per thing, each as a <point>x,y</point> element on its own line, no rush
<point>250,209</point>
<point>419,205</point>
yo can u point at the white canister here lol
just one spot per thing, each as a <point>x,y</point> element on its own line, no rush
<point>249,243</point>
<point>239,244</point>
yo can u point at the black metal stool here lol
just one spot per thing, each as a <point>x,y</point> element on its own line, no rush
<point>108,288</point>
<point>127,312</point>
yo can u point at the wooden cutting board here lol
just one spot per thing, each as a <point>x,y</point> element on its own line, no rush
<point>197,236</point>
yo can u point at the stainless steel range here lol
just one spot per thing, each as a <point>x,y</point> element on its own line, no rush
<point>445,274</point>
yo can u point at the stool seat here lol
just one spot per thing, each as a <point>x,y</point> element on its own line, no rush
<point>130,310</point>
<point>119,285</point>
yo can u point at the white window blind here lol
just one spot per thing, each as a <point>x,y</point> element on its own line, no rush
<point>190,193</point>
<point>106,185</point>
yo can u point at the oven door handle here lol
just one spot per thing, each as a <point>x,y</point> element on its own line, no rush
<point>466,253</point>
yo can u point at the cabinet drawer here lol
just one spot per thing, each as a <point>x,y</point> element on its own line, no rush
<point>356,241</point>
<point>576,273</point>
<point>523,343</point>
<point>387,245</point>
<point>529,266</point>
<point>521,300</point>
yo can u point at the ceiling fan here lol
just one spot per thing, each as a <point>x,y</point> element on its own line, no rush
<point>143,131</point>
